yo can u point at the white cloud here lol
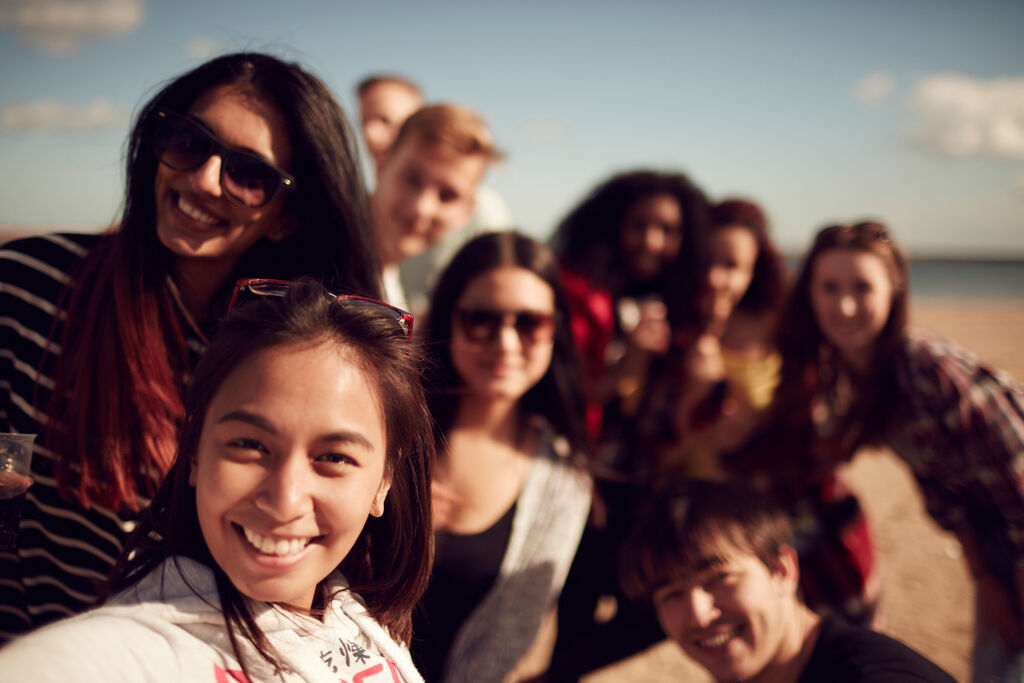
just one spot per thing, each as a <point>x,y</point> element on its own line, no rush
<point>203,48</point>
<point>60,26</point>
<point>961,116</point>
<point>50,115</point>
<point>874,88</point>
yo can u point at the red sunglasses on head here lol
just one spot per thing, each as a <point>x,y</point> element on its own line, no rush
<point>268,287</point>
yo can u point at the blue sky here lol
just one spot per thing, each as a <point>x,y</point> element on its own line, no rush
<point>908,111</point>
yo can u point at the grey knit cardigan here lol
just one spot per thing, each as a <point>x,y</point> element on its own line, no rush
<point>550,514</point>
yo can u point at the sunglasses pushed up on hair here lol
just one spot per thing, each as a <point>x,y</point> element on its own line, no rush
<point>844,233</point>
<point>184,144</point>
<point>269,287</point>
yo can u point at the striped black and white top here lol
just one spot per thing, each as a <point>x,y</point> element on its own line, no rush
<point>65,550</point>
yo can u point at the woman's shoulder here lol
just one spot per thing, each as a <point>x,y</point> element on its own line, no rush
<point>925,351</point>
<point>53,255</point>
<point>929,364</point>
<point>85,647</point>
<point>581,289</point>
<point>552,445</point>
<point>172,580</point>
<point>351,624</point>
<point>556,468</point>
<point>74,243</point>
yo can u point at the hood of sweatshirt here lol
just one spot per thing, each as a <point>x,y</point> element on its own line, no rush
<point>183,592</point>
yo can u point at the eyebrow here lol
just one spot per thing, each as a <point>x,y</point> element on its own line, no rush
<point>344,436</point>
<point>248,418</point>
<point>690,572</point>
<point>354,438</point>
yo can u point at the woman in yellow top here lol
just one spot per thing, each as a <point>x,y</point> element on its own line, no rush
<point>731,366</point>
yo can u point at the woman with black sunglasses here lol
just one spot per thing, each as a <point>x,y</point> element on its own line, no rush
<point>243,166</point>
<point>510,501</point>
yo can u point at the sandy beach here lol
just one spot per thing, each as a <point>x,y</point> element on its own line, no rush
<point>928,598</point>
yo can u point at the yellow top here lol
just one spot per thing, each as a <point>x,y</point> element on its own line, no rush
<point>752,380</point>
<point>752,383</point>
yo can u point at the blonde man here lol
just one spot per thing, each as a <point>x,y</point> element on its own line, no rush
<point>427,185</point>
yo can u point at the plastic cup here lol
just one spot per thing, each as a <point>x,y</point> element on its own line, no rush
<point>15,471</point>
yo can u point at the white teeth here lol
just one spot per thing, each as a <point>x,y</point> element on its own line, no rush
<point>269,546</point>
<point>195,213</point>
<point>716,641</point>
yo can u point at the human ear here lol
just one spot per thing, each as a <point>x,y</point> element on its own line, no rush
<point>787,570</point>
<point>377,506</point>
<point>192,472</point>
<point>287,226</point>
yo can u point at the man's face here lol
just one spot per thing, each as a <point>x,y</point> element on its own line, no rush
<point>732,613</point>
<point>383,109</point>
<point>423,194</point>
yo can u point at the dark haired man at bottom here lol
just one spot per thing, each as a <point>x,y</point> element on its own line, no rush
<point>716,561</point>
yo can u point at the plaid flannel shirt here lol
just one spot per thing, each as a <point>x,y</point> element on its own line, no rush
<point>962,424</point>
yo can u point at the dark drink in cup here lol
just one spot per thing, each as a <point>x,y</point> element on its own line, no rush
<point>15,460</point>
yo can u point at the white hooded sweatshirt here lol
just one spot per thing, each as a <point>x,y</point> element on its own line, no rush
<point>169,627</point>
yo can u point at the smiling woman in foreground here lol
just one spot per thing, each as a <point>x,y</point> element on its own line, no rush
<point>243,166</point>
<point>290,539</point>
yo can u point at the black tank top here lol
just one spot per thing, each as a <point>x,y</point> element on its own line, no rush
<point>465,567</point>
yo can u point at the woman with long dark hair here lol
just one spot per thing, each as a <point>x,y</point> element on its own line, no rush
<point>242,166</point>
<point>510,496</point>
<point>851,366</point>
<point>717,388</point>
<point>633,254</point>
<point>291,537</point>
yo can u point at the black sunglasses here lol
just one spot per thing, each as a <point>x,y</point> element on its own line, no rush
<point>484,325</point>
<point>184,143</point>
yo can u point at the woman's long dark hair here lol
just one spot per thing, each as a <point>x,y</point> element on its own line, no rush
<point>117,407</point>
<point>389,565</point>
<point>587,240</point>
<point>811,364</point>
<point>557,397</point>
<point>767,289</point>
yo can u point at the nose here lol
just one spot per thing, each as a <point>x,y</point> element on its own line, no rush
<point>285,491</point>
<point>700,609</point>
<point>376,133</point>
<point>207,176</point>
<point>848,306</point>
<point>654,239</point>
<point>425,207</point>
<point>508,336</point>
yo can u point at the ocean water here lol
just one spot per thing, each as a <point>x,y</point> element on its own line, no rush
<point>960,279</point>
<point>966,279</point>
